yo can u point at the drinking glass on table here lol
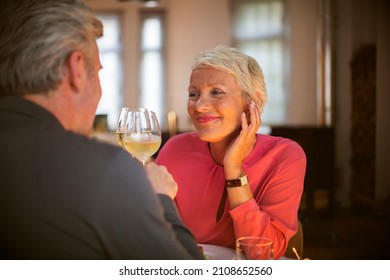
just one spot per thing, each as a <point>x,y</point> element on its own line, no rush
<point>141,134</point>
<point>253,248</point>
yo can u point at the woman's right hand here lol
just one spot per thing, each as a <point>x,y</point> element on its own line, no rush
<point>161,180</point>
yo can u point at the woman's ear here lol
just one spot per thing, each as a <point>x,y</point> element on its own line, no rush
<point>247,102</point>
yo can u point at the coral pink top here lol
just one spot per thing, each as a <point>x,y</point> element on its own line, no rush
<point>275,169</point>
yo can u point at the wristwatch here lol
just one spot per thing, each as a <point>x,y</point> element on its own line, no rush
<point>239,182</point>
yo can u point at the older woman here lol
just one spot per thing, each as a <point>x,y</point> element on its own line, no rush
<point>233,182</point>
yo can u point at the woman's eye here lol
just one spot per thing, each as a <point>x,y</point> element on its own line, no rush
<point>193,95</point>
<point>217,92</point>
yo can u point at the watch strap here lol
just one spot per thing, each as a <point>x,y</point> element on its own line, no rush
<point>238,182</point>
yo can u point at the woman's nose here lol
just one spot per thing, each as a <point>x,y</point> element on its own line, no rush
<point>202,104</point>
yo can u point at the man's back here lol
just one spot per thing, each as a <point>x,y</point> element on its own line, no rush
<point>63,196</point>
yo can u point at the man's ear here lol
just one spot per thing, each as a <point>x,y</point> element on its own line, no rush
<point>76,71</point>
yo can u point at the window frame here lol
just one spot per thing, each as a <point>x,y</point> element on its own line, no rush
<point>145,14</point>
<point>282,95</point>
<point>112,119</point>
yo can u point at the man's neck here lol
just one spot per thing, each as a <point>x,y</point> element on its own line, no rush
<point>54,103</point>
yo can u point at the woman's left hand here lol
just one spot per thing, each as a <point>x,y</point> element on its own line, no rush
<point>242,146</point>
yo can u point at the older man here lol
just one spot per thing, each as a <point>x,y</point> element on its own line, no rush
<point>62,194</point>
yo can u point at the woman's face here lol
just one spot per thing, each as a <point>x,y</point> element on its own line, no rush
<point>215,104</point>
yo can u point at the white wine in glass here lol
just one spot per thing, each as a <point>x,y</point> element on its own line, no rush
<point>141,136</point>
<point>141,146</point>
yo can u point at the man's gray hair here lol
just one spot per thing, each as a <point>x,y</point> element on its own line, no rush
<point>37,37</point>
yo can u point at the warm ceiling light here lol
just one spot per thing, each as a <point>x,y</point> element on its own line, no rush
<point>148,3</point>
<point>151,3</point>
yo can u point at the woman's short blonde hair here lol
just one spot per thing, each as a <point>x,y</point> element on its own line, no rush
<point>245,68</point>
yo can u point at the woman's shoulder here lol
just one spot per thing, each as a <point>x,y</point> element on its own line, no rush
<point>184,143</point>
<point>269,143</point>
<point>181,147</point>
<point>186,139</point>
<point>191,135</point>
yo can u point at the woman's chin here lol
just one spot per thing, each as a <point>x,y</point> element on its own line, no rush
<point>210,136</point>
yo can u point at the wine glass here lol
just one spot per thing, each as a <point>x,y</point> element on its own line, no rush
<point>120,127</point>
<point>141,136</point>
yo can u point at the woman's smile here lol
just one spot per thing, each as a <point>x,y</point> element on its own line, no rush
<point>207,119</point>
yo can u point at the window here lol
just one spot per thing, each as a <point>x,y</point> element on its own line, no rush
<point>152,87</point>
<point>258,31</point>
<point>111,74</point>
<point>151,65</point>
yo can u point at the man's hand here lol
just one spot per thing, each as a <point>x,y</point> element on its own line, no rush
<point>161,180</point>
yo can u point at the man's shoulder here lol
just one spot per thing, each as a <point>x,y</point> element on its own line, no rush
<point>83,144</point>
<point>88,154</point>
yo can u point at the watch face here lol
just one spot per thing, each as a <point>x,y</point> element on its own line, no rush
<point>244,180</point>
